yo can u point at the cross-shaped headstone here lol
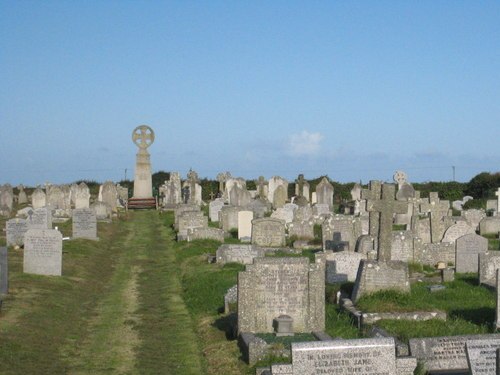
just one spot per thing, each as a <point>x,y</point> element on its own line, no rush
<point>373,193</point>
<point>261,186</point>
<point>387,206</point>
<point>436,209</point>
<point>212,195</point>
<point>497,193</point>
<point>300,182</point>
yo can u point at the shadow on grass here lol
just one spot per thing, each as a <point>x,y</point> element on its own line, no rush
<point>480,316</point>
<point>227,324</point>
<point>470,279</point>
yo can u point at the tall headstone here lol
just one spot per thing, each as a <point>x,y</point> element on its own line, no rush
<point>279,197</point>
<point>38,198</point>
<point>143,136</point>
<point>272,287</point>
<point>274,183</point>
<point>214,208</point>
<point>262,187</point>
<point>373,193</point>
<point>171,190</point>
<point>497,193</point>
<point>436,209</point>
<point>324,192</point>
<point>109,195</point>
<point>6,199</point>
<point>43,252</point>
<point>16,230</point>
<point>4,271</point>
<point>82,196</point>
<point>193,189</point>
<point>222,178</point>
<point>302,188</point>
<point>22,198</point>
<point>245,225</point>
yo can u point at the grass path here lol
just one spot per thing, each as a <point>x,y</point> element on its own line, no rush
<point>117,309</point>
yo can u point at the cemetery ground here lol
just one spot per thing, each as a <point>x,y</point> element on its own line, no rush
<point>138,302</point>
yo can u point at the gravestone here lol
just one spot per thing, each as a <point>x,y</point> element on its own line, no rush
<point>432,253</point>
<point>283,214</point>
<point>84,223</point>
<point>110,194</point>
<point>342,266</point>
<point>489,262</point>
<point>16,230</point>
<point>474,217</point>
<point>239,196</point>
<point>268,232</point>
<point>303,213</point>
<point>180,209</point>
<point>230,183</point>
<point>82,196</point>
<point>245,225</point>
<point>260,207</point>
<point>446,353</point>
<point>222,178</point>
<point>190,220</point>
<point>205,233</point>
<point>262,187</point>
<point>22,198</point>
<point>302,187</point>
<point>280,196</point>
<point>321,209</point>
<point>214,208</point>
<point>373,193</point>
<point>38,199</point>
<point>6,199</point>
<point>482,356</point>
<point>228,217</point>
<point>324,192</point>
<point>497,193</point>
<point>243,254</point>
<point>43,252</point>
<point>271,287</point>
<point>387,206</point>
<point>356,192</point>
<point>143,137</point>
<point>456,231</point>
<point>489,225</point>
<point>171,190</point>
<point>340,232</point>
<point>436,209</point>
<point>273,184</point>
<point>371,356</point>
<point>192,184</point>
<point>40,218</point>
<point>402,246</point>
<point>56,198</point>
<point>303,230</point>
<point>4,271</point>
<point>102,211</point>
<point>468,248</point>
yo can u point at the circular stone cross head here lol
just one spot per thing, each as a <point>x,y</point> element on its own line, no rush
<point>143,136</point>
<point>400,177</point>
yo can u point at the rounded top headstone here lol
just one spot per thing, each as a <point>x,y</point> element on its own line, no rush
<point>143,136</point>
<point>400,177</point>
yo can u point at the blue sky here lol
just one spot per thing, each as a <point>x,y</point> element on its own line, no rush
<point>352,89</point>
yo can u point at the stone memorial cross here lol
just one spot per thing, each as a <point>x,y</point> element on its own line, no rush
<point>437,210</point>
<point>387,206</point>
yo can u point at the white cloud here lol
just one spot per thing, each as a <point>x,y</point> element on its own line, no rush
<point>304,143</point>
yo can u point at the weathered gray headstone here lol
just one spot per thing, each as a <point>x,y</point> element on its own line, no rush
<point>4,271</point>
<point>468,249</point>
<point>243,254</point>
<point>341,232</point>
<point>102,211</point>
<point>482,356</point>
<point>342,266</point>
<point>38,199</point>
<point>82,196</point>
<point>16,230</point>
<point>143,137</point>
<point>84,223</point>
<point>489,225</point>
<point>456,231</point>
<point>436,209</point>
<point>205,233</point>
<point>446,353</point>
<point>110,193</point>
<point>171,190</point>
<point>268,232</point>
<point>40,218</point>
<point>245,225</point>
<point>271,287</point>
<point>190,220</point>
<point>489,262</point>
<point>474,217</point>
<point>324,192</point>
<point>303,230</point>
<point>228,217</point>
<point>214,208</point>
<point>432,253</point>
<point>43,252</point>
<point>22,198</point>
<point>402,246</point>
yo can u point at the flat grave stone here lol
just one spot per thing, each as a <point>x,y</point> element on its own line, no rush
<point>84,223</point>
<point>205,233</point>
<point>43,252</point>
<point>445,353</point>
<point>373,356</point>
<point>482,356</point>
<point>243,254</point>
